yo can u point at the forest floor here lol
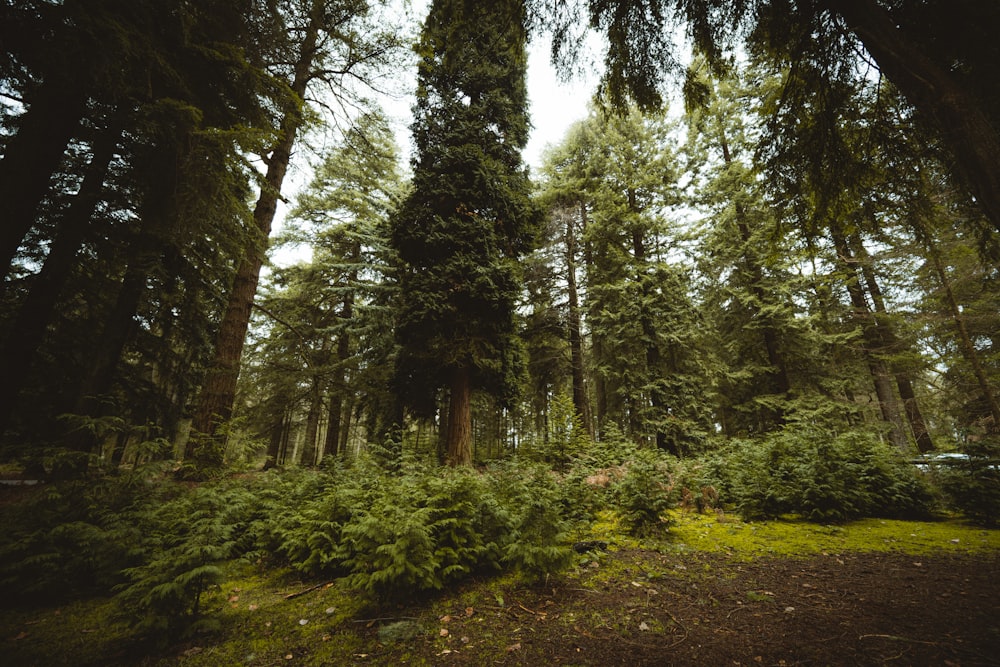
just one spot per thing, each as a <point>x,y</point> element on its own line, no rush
<point>711,591</point>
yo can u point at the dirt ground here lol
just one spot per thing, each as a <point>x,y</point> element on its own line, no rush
<point>699,609</point>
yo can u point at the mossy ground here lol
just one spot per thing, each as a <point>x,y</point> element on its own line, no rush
<point>657,593</point>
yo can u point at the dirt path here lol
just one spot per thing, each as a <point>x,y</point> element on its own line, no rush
<point>646,608</point>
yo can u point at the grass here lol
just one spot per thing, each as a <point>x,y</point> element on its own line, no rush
<point>262,616</point>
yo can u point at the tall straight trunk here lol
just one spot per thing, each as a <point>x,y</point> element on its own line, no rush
<point>581,402</point>
<point>36,313</point>
<point>339,385</point>
<point>934,90</point>
<point>872,343</point>
<point>30,158</point>
<point>891,343</point>
<point>310,452</point>
<point>218,393</point>
<point>965,345</point>
<point>458,445</point>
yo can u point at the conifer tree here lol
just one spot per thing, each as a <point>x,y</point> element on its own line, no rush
<point>469,217</point>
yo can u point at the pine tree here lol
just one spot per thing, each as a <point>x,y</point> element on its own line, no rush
<point>469,217</point>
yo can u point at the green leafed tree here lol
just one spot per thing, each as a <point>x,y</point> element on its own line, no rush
<point>469,218</point>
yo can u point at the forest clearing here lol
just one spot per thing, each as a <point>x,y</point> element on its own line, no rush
<point>290,376</point>
<point>711,590</point>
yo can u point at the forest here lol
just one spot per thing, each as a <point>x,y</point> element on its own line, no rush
<point>758,281</point>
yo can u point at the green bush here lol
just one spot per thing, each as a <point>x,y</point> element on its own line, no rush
<point>973,487</point>
<point>645,493</point>
<point>823,477</point>
<point>186,542</point>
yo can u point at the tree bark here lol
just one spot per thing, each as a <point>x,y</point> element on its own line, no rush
<point>892,344</point>
<point>30,158</point>
<point>458,446</point>
<point>218,394</point>
<point>581,402</point>
<point>310,452</point>
<point>960,117</point>
<point>872,344</point>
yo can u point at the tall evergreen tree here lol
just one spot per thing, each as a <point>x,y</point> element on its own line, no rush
<point>335,39</point>
<point>469,217</point>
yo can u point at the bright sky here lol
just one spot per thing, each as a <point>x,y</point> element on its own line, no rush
<point>554,106</point>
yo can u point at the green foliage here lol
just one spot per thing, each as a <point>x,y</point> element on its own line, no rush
<point>973,487</point>
<point>416,527</point>
<point>824,477</point>
<point>535,544</point>
<point>68,539</point>
<point>645,493</point>
<point>187,540</point>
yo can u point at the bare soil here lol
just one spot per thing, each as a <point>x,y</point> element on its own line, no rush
<point>647,608</point>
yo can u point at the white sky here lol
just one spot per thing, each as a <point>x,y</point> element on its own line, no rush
<point>554,106</point>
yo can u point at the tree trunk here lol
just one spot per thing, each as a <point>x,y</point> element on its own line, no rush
<point>309,447</point>
<point>872,344</point>
<point>35,314</point>
<point>965,344</point>
<point>581,401</point>
<point>893,345</point>
<point>218,393</point>
<point>458,446</point>
<point>339,385</point>
<point>964,125</point>
<point>30,158</point>
<point>119,327</point>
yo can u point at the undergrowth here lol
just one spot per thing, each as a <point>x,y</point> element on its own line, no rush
<point>392,528</point>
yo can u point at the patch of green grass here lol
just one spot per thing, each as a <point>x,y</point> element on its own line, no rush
<point>792,537</point>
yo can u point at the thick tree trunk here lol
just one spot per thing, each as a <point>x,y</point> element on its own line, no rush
<point>35,314</point>
<point>933,90</point>
<point>581,402</point>
<point>218,393</point>
<point>458,446</point>
<point>30,158</point>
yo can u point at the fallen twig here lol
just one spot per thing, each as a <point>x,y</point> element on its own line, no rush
<point>308,590</point>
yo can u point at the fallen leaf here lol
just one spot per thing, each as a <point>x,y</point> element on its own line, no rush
<point>289,656</point>
<point>330,610</point>
<point>445,618</point>
<point>469,611</point>
<point>303,621</point>
<point>643,627</point>
<point>447,651</point>
<point>514,647</point>
<point>21,635</point>
<point>234,598</point>
<point>443,632</point>
<point>252,607</point>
